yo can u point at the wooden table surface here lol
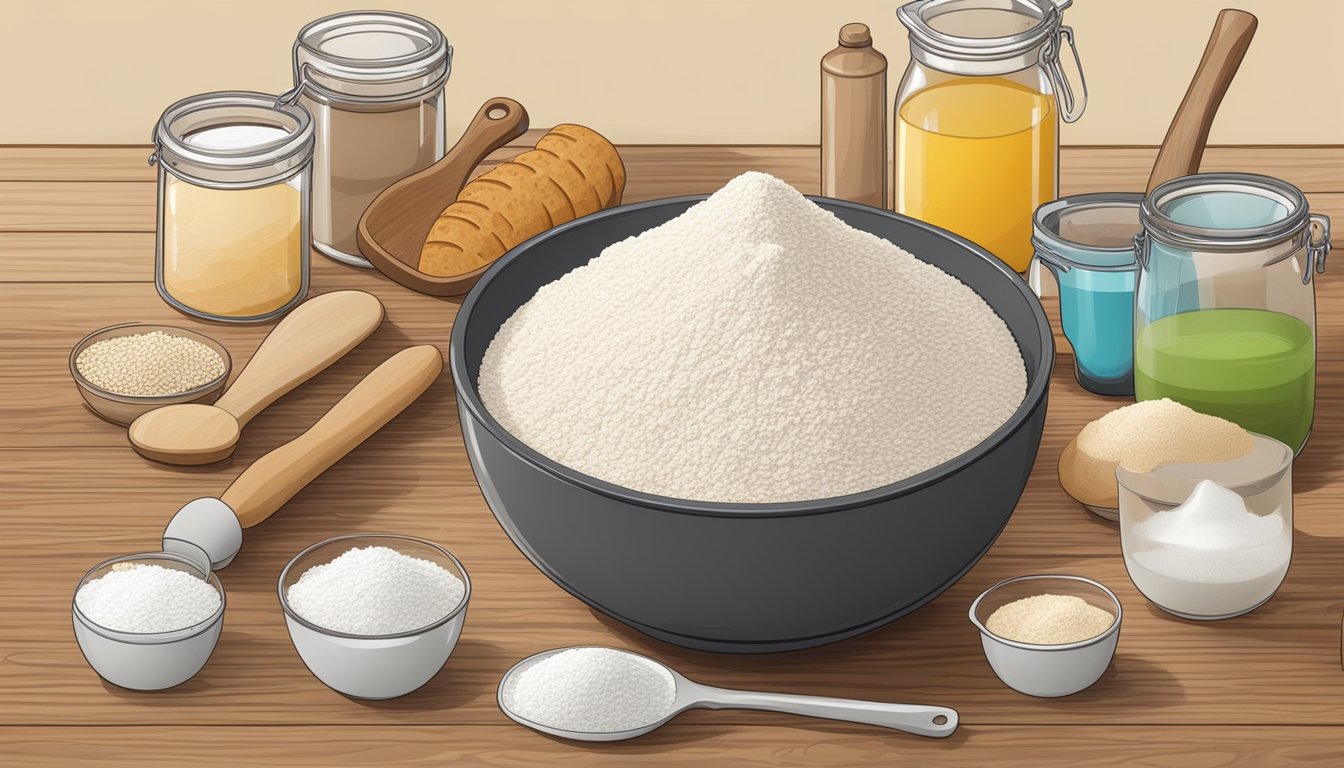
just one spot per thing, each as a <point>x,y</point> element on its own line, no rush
<point>76,253</point>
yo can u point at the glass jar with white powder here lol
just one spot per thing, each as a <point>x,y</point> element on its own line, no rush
<point>374,84</point>
<point>1210,541</point>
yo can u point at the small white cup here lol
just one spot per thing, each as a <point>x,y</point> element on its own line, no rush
<point>374,666</point>
<point>1047,671</point>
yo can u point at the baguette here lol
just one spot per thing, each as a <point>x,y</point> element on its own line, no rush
<point>572,172</point>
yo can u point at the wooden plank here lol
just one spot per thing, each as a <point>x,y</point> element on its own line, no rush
<point>1082,168</point>
<point>83,206</point>
<point>1179,693</point>
<point>695,739</point>
<point>53,257</point>
<point>63,515</point>
<point>128,253</point>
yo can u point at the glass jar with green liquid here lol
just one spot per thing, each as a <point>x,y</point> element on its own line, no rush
<point>1225,312</point>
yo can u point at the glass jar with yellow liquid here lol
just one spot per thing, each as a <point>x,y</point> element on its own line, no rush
<point>977,118</point>
<point>234,194</point>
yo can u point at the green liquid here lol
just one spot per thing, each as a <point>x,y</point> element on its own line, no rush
<point>1250,366</point>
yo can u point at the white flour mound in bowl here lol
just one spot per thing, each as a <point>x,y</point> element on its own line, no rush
<point>754,349</point>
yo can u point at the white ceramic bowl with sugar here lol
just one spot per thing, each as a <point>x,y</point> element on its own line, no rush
<point>148,661</point>
<point>374,666</point>
<point>1047,671</point>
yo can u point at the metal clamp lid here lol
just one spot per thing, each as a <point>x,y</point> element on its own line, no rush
<point>370,57</point>
<point>1073,108</point>
<point>962,37</point>
<point>264,160</point>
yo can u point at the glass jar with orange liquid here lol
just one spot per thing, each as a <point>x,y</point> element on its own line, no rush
<point>977,118</point>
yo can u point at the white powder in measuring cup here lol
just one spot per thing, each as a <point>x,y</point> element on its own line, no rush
<point>1210,556</point>
<point>375,591</point>
<point>591,690</point>
<point>143,597</point>
<point>754,349</point>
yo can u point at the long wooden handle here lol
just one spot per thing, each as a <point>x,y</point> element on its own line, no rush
<point>273,479</point>
<point>1183,147</point>
<point>316,334</point>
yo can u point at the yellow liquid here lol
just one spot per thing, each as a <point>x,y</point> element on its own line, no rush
<point>977,156</point>
<point>232,253</point>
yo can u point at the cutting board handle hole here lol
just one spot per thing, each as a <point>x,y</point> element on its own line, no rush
<point>497,112</point>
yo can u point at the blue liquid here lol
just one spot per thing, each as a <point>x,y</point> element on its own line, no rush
<point>1097,312</point>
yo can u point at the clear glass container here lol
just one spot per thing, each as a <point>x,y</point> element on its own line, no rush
<point>1212,563</point>
<point>374,84</point>
<point>1225,315</point>
<point>233,200</point>
<point>977,118</point>
<point>1087,241</point>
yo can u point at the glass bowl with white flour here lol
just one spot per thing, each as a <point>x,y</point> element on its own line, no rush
<point>149,621</point>
<point>374,616</point>
<point>755,379</point>
<point>1210,541</point>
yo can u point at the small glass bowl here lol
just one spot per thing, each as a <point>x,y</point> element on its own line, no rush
<point>1047,670</point>
<point>123,409</point>
<point>1196,580</point>
<point>148,661</point>
<point>374,666</point>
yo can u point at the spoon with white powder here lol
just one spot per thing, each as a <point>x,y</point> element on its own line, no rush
<point>603,694</point>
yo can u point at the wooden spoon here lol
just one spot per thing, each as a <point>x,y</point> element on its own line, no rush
<point>312,337</point>
<point>1183,147</point>
<point>395,225</point>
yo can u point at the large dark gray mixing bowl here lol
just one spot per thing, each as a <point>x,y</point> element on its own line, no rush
<point>749,577</point>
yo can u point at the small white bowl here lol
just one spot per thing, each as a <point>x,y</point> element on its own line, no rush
<point>374,666</point>
<point>148,661</point>
<point>1047,671</point>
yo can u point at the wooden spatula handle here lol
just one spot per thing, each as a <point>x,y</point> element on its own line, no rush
<point>1183,147</point>
<point>273,479</point>
<point>497,122</point>
<point>316,334</point>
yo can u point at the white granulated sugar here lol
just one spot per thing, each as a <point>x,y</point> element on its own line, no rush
<point>754,349</point>
<point>593,690</point>
<point>375,591</point>
<point>143,597</point>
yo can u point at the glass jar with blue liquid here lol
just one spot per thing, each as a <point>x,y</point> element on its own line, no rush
<point>1087,242</point>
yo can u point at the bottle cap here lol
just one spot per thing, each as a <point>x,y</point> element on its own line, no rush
<point>855,36</point>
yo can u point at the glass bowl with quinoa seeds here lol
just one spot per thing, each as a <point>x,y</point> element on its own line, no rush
<point>125,370</point>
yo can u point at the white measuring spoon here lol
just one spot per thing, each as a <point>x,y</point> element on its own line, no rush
<point>917,719</point>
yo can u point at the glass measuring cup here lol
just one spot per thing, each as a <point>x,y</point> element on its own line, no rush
<point>1087,242</point>
<point>1197,568</point>
<point>1225,312</point>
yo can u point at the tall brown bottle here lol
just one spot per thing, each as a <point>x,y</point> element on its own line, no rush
<point>854,119</point>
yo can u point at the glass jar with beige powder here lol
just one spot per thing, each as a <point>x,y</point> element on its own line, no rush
<point>374,84</point>
<point>234,179</point>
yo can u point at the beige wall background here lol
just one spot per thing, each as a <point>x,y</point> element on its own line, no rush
<point>646,71</point>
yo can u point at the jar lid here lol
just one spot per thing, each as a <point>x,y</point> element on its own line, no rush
<point>233,139</point>
<point>1093,232</point>
<point>1224,211</point>
<point>948,33</point>
<point>371,56</point>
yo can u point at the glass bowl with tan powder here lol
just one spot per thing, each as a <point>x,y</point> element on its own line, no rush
<point>125,370</point>
<point>1142,437</point>
<point>1048,635</point>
